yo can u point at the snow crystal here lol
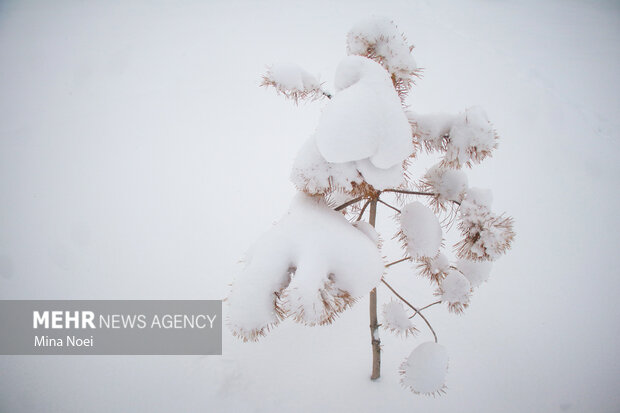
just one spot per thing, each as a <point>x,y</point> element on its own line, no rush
<point>455,290</point>
<point>476,272</point>
<point>299,268</point>
<point>424,371</point>
<point>448,184</point>
<point>365,118</point>
<point>396,319</point>
<point>420,230</point>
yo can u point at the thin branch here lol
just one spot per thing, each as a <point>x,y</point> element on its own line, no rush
<point>425,307</point>
<point>404,191</point>
<point>359,217</point>
<point>412,307</point>
<point>397,261</point>
<point>346,204</point>
<point>388,205</point>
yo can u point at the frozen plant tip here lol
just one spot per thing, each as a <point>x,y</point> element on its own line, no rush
<point>396,319</point>
<point>293,82</point>
<point>455,290</point>
<point>325,253</point>
<point>424,371</point>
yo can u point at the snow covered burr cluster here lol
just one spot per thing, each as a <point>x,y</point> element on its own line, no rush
<point>323,255</point>
<point>298,269</point>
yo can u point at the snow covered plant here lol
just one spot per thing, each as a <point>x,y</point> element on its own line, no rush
<point>322,255</point>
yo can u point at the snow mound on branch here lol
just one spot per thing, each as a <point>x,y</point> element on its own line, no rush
<point>312,174</point>
<point>435,268</point>
<point>448,184</point>
<point>476,272</point>
<point>292,76</point>
<point>465,138</point>
<point>431,130</point>
<point>472,138</point>
<point>292,81</point>
<point>310,265</point>
<point>379,39</point>
<point>369,231</point>
<point>396,319</point>
<point>425,370</point>
<point>486,235</point>
<point>420,231</point>
<point>381,178</point>
<point>365,118</point>
<point>455,290</point>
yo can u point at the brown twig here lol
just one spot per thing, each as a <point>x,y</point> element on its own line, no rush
<point>359,217</point>
<point>412,307</point>
<point>406,192</point>
<point>397,261</point>
<point>388,205</point>
<point>425,307</point>
<point>346,204</point>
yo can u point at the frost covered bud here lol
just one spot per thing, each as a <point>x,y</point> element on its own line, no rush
<point>380,40</point>
<point>293,82</point>
<point>455,290</point>
<point>420,231</point>
<point>471,139</point>
<point>435,268</point>
<point>486,235</point>
<point>425,370</point>
<point>396,319</point>
<point>447,184</point>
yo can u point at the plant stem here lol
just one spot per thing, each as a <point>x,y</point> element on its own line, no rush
<point>404,191</point>
<point>425,307</point>
<point>397,261</point>
<point>388,205</point>
<point>346,204</point>
<point>359,217</point>
<point>374,324</point>
<point>412,307</point>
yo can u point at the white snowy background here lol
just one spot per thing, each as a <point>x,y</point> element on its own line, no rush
<point>139,159</point>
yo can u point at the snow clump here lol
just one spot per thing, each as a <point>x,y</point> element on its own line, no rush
<point>292,81</point>
<point>455,290</point>
<point>297,269</point>
<point>424,371</point>
<point>379,39</point>
<point>396,319</point>
<point>420,231</point>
